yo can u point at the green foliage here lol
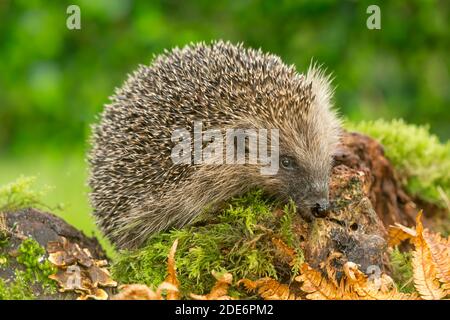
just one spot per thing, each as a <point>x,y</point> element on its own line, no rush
<point>286,223</point>
<point>239,242</point>
<point>19,289</point>
<point>34,268</point>
<point>59,187</point>
<point>419,157</point>
<point>37,268</point>
<point>32,273</point>
<point>19,194</point>
<point>54,80</point>
<point>402,271</point>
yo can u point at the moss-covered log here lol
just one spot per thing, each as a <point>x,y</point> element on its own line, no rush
<point>382,185</point>
<point>24,269</point>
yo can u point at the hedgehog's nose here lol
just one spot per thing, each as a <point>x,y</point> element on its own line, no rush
<point>320,209</point>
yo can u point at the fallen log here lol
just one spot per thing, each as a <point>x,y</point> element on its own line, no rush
<point>44,228</point>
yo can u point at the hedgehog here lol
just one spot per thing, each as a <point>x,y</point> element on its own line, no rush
<point>137,190</point>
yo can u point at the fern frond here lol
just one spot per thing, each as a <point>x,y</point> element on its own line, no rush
<point>269,289</point>
<point>440,254</point>
<point>317,286</point>
<point>172,273</point>
<point>399,233</point>
<point>220,289</point>
<point>424,267</point>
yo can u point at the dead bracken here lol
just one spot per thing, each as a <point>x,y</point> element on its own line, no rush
<point>430,266</point>
<point>78,271</point>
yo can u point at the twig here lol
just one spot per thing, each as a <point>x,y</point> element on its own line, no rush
<point>4,228</point>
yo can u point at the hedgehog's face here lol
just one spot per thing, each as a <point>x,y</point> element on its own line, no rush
<point>308,139</point>
<point>305,184</point>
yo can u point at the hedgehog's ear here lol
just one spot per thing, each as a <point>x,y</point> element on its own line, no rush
<point>320,84</point>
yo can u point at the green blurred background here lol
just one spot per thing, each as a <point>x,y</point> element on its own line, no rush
<point>53,81</point>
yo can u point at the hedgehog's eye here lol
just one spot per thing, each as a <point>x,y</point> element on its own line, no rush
<point>287,163</point>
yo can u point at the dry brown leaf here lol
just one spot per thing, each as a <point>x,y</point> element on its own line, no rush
<point>424,267</point>
<point>353,274</point>
<point>70,280</point>
<point>269,289</point>
<point>425,273</point>
<point>316,286</point>
<point>56,246</point>
<point>61,259</point>
<point>143,292</point>
<point>95,293</point>
<point>354,285</point>
<point>287,252</point>
<point>101,263</point>
<point>399,233</point>
<point>78,271</point>
<point>64,253</point>
<point>371,294</point>
<point>440,253</point>
<point>100,277</point>
<point>220,289</point>
<point>172,273</point>
<point>170,286</point>
<point>135,292</point>
<point>371,288</point>
<point>430,259</point>
<point>83,256</point>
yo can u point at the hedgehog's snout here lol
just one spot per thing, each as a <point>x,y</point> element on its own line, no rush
<point>318,202</point>
<point>321,208</point>
<point>317,209</point>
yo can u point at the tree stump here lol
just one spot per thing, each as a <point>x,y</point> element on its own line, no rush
<point>388,198</point>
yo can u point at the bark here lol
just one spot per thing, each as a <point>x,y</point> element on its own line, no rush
<point>384,189</point>
<point>45,228</point>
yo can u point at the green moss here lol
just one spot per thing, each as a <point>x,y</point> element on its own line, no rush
<point>20,194</point>
<point>36,267</point>
<point>402,271</point>
<point>19,289</point>
<point>421,160</point>
<point>32,268</point>
<point>286,223</point>
<point>31,274</point>
<point>3,243</point>
<point>239,242</point>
